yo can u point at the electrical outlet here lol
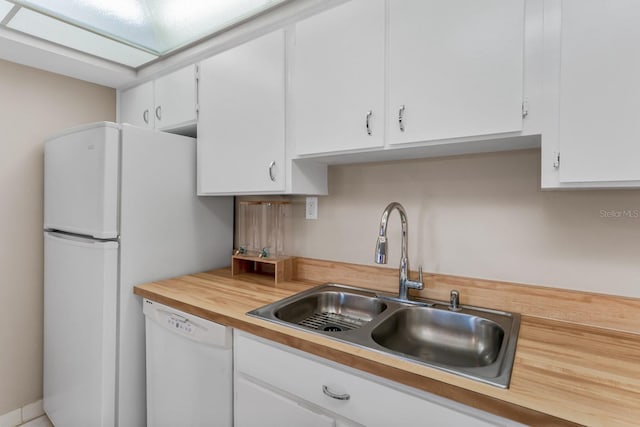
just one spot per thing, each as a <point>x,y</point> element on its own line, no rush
<point>312,208</point>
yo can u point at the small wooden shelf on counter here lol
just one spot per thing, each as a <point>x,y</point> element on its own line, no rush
<point>266,271</point>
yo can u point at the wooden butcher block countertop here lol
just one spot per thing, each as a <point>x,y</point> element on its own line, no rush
<point>577,365</point>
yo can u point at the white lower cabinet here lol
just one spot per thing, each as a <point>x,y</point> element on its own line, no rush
<point>257,405</point>
<point>279,386</point>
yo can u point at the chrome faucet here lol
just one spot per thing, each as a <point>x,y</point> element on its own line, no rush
<point>381,251</point>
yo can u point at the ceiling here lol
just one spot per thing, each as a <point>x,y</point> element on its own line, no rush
<point>112,40</point>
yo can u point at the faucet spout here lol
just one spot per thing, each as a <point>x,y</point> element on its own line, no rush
<point>381,250</point>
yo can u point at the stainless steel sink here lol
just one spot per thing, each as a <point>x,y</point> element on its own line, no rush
<point>331,310</point>
<point>473,342</point>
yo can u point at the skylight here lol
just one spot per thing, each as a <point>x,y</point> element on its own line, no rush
<point>5,7</point>
<point>130,32</point>
<point>56,31</point>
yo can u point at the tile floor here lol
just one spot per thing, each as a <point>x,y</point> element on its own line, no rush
<point>42,421</point>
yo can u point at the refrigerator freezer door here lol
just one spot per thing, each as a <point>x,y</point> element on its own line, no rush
<point>80,297</point>
<point>81,169</point>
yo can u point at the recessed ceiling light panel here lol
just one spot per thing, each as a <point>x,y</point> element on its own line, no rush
<point>59,32</point>
<point>158,26</point>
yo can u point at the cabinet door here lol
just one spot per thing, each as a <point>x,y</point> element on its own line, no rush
<point>599,94</point>
<point>175,99</point>
<point>241,124</point>
<point>455,68</point>
<point>136,105</point>
<point>257,406</point>
<point>338,80</point>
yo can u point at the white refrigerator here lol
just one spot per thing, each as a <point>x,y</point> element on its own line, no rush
<point>120,209</point>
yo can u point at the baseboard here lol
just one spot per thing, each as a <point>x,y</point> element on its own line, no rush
<point>32,411</point>
<point>22,415</point>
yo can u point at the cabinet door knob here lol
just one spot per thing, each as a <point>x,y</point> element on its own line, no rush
<point>159,112</point>
<point>145,116</point>
<point>368,120</point>
<point>333,395</point>
<point>401,118</point>
<point>271,175</point>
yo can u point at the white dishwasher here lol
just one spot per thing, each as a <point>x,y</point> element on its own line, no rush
<point>189,369</point>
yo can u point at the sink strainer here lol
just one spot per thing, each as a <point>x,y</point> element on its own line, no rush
<point>332,328</point>
<point>331,322</point>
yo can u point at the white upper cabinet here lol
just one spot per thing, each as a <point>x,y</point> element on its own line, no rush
<point>241,129</point>
<point>455,68</point>
<point>241,126</point>
<point>338,79</point>
<point>176,99</point>
<point>136,106</point>
<point>592,94</point>
<point>168,103</point>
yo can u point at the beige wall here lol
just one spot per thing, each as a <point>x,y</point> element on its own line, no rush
<point>480,216</point>
<point>33,104</point>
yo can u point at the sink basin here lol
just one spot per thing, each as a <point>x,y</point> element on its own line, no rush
<point>331,310</point>
<point>476,343</point>
<point>328,308</point>
<point>441,336</point>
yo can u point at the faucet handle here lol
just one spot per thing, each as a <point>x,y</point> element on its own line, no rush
<point>416,284</point>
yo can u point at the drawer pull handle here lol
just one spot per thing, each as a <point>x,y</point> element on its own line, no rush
<point>159,112</point>
<point>368,120</point>
<point>401,118</point>
<point>333,395</point>
<point>145,116</point>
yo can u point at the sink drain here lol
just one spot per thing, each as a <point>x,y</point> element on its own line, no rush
<point>332,328</point>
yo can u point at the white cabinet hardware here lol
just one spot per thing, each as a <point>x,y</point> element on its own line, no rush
<point>368,122</point>
<point>337,396</point>
<point>272,177</point>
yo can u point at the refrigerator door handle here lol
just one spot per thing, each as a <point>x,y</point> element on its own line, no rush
<point>81,241</point>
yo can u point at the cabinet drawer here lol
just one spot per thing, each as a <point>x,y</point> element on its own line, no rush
<point>369,402</point>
